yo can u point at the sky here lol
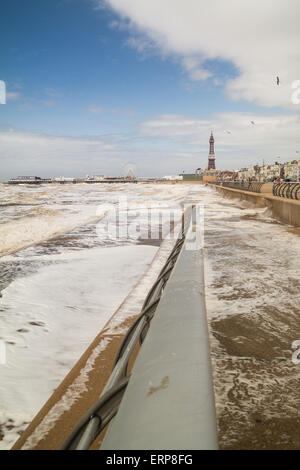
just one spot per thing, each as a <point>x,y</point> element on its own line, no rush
<point>98,86</point>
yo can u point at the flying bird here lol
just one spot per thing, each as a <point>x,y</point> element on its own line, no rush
<point>252,122</point>
<point>278,81</point>
<point>228,132</point>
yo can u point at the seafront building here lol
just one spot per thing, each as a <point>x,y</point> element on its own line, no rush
<point>288,171</point>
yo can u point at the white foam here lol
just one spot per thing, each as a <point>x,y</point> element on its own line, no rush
<point>64,208</point>
<point>131,306</point>
<point>71,300</point>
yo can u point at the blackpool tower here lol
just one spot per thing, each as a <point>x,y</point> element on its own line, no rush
<point>211,156</point>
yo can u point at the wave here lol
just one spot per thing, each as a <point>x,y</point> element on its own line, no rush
<point>39,226</point>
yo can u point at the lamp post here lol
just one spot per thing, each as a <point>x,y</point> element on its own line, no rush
<point>279,163</point>
<point>298,161</point>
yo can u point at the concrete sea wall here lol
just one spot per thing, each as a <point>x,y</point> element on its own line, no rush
<point>285,210</point>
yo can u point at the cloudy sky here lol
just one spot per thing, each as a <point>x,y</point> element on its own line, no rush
<point>96,85</point>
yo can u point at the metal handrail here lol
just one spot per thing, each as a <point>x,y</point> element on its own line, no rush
<point>252,186</point>
<point>287,190</point>
<point>97,417</point>
<point>169,401</point>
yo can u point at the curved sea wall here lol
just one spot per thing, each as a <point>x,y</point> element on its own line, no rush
<point>285,210</point>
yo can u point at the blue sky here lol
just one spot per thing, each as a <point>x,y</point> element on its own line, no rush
<point>110,80</point>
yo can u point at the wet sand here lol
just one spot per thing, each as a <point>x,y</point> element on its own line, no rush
<point>253,302</point>
<point>256,383</point>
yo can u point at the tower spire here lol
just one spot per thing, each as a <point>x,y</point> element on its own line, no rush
<point>211,156</point>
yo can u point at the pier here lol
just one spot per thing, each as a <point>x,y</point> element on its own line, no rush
<point>39,181</point>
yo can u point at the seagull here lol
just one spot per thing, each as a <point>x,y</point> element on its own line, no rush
<point>228,132</point>
<point>252,122</point>
<point>278,81</point>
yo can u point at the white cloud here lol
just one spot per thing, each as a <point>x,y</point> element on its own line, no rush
<point>239,142</point>
<point>48,103</point>
<point>44,155</point>
<point>142,45</point>
<point>173,125</point>
<point>260,38</point>
<point>129,112</point>
<point>194,67</point>
<point>53,93</point>
<point>33,153</point>
<point>13,95</point>
<point>165,144</point>
<point>94,109</point>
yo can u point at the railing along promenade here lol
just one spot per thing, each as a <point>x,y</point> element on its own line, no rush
<point>287,190</point>
<point>284,190</point>
<point>167,400</point>
<point>253,186</point>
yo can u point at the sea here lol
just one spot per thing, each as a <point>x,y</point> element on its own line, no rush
<point>71,253</point>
